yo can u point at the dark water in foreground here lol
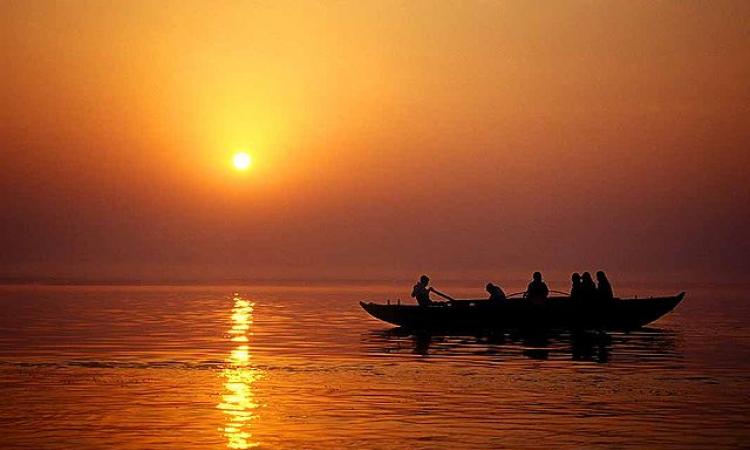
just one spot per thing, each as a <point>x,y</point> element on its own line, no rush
<point>305,367</point>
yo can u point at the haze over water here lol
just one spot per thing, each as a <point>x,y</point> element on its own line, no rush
<point>465,139</point>
<point>304,367</point>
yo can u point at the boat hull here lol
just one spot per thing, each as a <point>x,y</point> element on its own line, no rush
<point>618,314</point>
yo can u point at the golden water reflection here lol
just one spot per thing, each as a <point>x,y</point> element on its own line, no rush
<point>238,400</point>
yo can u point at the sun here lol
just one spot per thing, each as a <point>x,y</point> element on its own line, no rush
<point>242,161</point>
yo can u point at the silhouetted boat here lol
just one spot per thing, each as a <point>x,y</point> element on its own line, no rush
<point>555,312</point>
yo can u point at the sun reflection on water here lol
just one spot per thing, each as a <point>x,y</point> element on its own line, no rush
<point>238,400</point>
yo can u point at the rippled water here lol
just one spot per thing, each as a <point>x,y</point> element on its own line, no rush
<point>305,367</point>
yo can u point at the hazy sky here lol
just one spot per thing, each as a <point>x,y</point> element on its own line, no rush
<point>389,138</point>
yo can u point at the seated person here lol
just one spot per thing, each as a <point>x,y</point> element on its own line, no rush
<point>588,288</point>
<point>421,292</point>
<point>495,292</point>
<point>604,289</point>
<point>537,289</point>
<point>575,288</point>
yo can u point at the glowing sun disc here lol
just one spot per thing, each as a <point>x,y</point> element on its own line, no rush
<point>242,161</point>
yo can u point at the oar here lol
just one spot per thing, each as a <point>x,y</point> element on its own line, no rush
<point>551,290</point>
<point>559,292</point>
<point>447,297</point>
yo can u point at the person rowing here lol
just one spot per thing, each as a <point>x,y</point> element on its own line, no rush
<point>421,292</point>
<point>537,289</point>
<point>496,294</point>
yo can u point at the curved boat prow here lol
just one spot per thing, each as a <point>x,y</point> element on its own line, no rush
<point>676,300</point>
<point>400,315</point>
<point>637,313</point>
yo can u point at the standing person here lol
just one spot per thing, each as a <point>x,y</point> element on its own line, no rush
<point>588,288</point>
<point>604,289</point>
<point>575,288</point>
<point>421,292</point>
<point>495,292</point>
<point>537,289</point>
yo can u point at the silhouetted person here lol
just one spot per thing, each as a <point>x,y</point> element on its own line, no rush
<point>537,289</point>
<point>575,288</point>
<point>496,294</point>
<point>421,292</point>
<point>588,288</point>
<point>604,289</point>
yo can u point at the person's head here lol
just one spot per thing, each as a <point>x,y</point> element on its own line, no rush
<point>601,276</point>
<point>424,279</point>
<point>587,277</point>
<point>576,277</point>
<point>537,276</point>
<point>490,287</point>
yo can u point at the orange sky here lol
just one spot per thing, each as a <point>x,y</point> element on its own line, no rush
<point>388,138</point>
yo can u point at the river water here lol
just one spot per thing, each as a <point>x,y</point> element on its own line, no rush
<point>125,367</point>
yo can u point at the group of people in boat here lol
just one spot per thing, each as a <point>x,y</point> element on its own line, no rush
<point>583,289</point>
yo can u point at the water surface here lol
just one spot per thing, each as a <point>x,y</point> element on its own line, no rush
<point>305,367</point>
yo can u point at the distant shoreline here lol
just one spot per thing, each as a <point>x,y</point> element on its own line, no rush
<point>317,282</point>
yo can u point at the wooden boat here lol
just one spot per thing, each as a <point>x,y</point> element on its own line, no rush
<point>555,312</point>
